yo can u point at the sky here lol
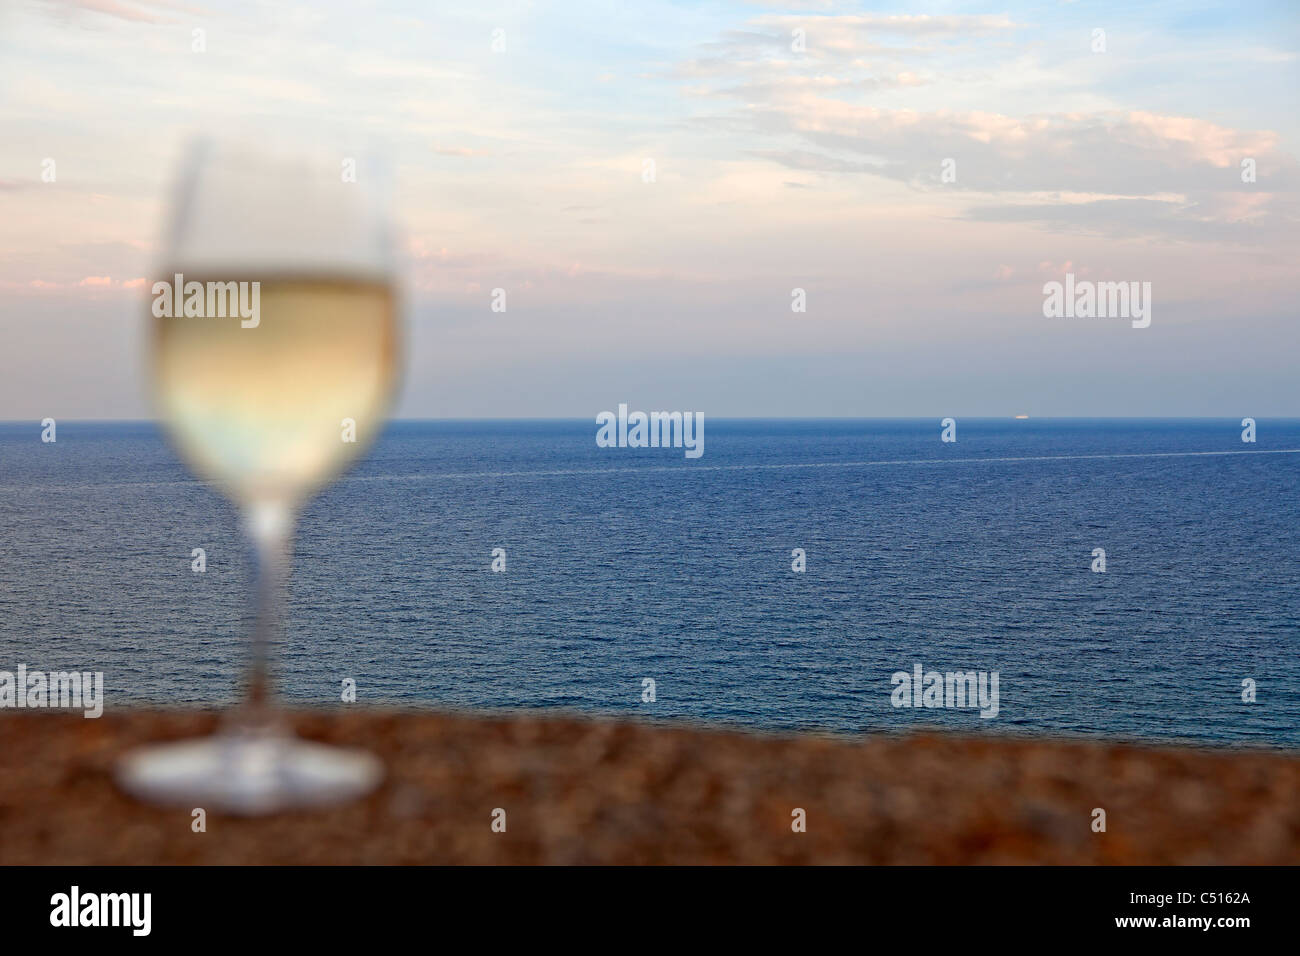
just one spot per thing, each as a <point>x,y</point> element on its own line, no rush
<point>794,146</point>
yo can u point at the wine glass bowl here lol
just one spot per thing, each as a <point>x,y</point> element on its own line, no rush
<point>273,412</point>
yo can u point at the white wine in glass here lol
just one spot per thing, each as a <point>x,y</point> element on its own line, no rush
<point>275,339</point>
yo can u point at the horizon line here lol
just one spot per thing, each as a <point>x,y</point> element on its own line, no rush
<point>732,418</point>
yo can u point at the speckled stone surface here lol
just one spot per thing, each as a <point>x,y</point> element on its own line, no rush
<point>598,791</point>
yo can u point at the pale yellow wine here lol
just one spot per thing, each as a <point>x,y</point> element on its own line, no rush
<point>262,410</point>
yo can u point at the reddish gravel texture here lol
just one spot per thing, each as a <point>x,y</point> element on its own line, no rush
<point>584,791</point>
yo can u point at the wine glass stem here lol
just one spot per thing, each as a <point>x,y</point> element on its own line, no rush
<point>270,525</point>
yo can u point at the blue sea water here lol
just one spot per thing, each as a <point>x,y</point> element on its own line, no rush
<point>625,564</point>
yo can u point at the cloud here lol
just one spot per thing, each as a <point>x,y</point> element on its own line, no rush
<point>119,9</point>
<point>1117,172</point>
<point>1200,221</point>
<point>459,151</point>
<point>808,160</point>
<point>1134,153</point>
<point>88,283</point>
<point>846,31</point>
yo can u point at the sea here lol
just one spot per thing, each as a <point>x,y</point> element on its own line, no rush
<point>643,583</point>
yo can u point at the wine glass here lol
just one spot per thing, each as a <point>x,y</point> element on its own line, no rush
<point>282,379</point>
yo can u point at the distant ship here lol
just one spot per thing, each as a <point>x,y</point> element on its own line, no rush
<point>1021,416</point>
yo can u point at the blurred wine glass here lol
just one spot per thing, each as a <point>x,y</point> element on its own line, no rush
<point>283,380</point>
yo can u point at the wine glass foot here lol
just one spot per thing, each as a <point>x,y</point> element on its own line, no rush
<point>248,773</point>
